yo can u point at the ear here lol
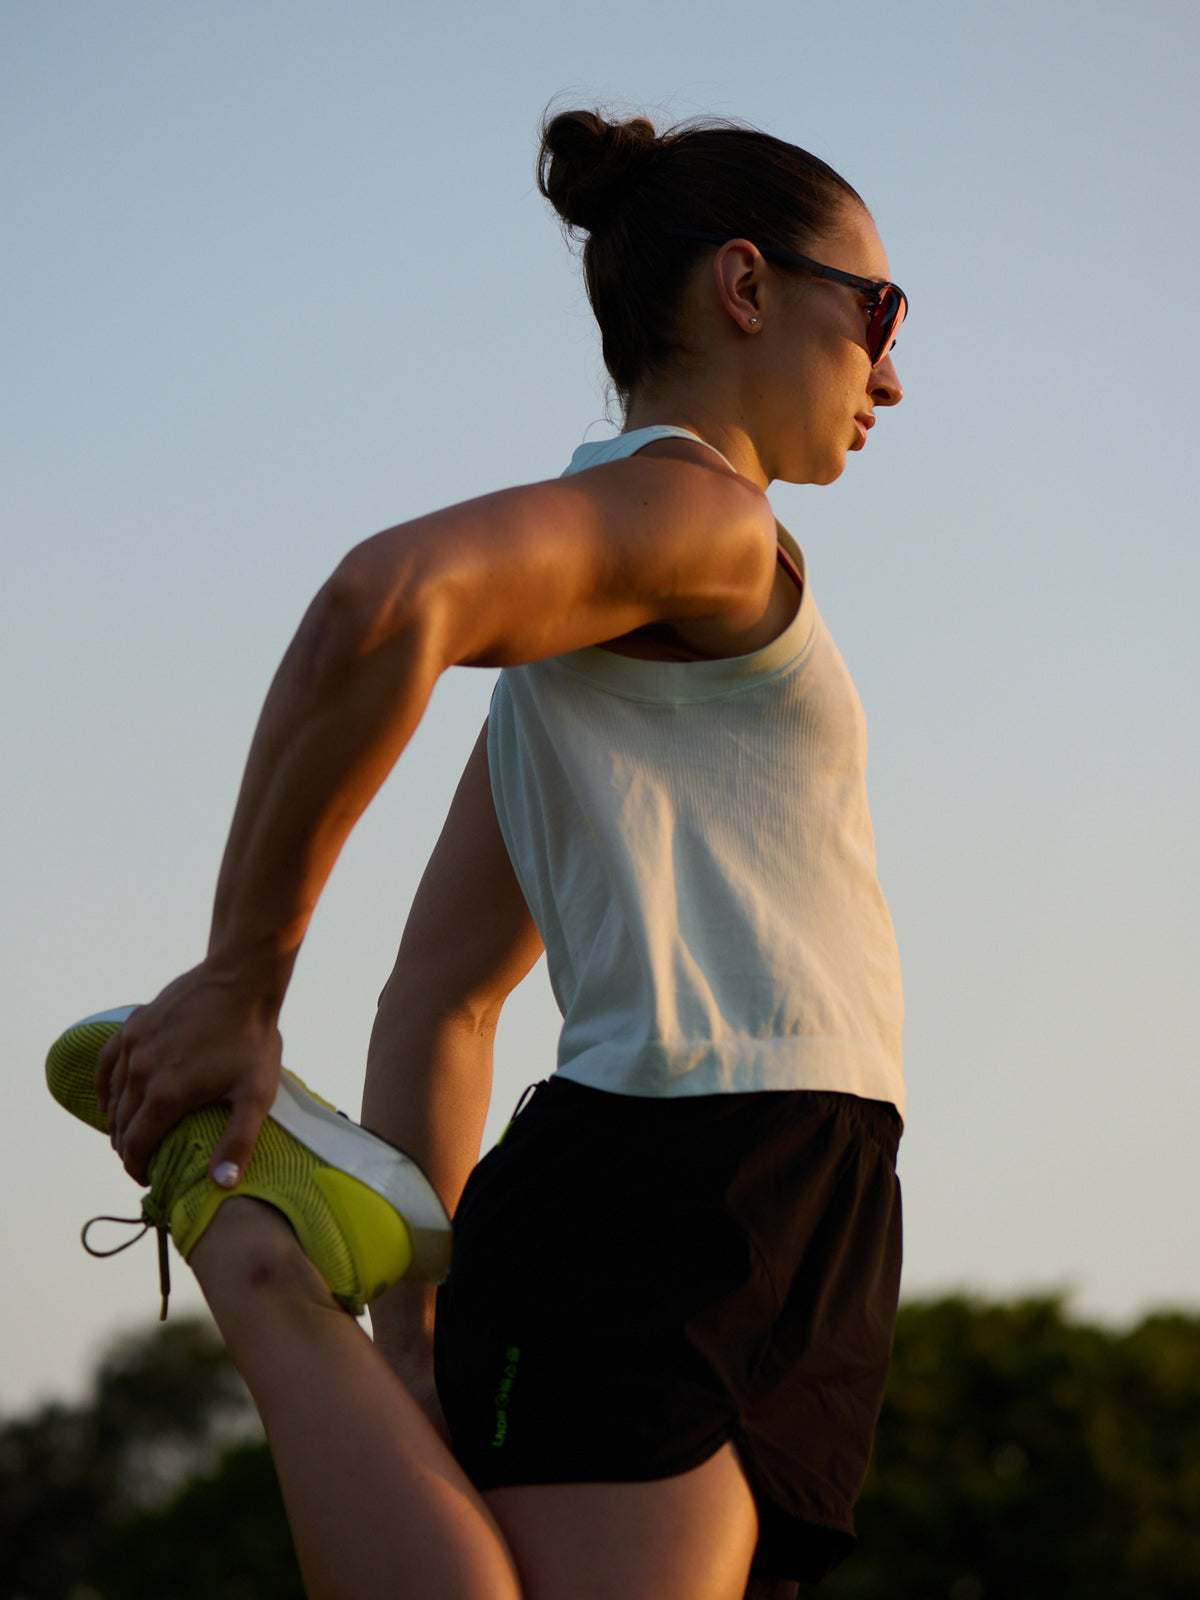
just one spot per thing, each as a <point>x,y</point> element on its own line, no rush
<point>738,271</point>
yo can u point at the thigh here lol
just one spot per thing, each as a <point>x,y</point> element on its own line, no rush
<point>689,1537</point>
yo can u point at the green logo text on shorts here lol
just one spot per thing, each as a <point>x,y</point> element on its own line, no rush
<point>504,1394</point>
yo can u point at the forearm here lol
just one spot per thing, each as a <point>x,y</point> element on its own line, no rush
<point>429,1082</point>
<point>336,718</point>
<point>427,1089</point>
<point>468,942</point>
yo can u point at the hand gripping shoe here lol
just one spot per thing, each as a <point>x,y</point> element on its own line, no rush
<point>364,1212</point>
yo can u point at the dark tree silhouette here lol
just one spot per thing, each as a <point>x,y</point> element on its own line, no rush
<point>166,1408</point>
<point>1021,1455</point>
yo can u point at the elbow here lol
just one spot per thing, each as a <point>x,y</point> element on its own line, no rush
<point>336,629</point>
<point>421,987</point>
<point>362,609</point>
<point>360,601</point>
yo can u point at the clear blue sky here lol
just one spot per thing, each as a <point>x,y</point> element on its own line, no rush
<point>277,276</point>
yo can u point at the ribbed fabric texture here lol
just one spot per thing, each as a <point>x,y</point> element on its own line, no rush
<point>694,842</point>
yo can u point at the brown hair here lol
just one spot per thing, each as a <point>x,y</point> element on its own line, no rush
<point>626,186</point>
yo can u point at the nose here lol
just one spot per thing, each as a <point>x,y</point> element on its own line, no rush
<point>884,383</point>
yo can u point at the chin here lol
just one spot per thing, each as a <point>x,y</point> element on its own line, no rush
<point>830,473</point>
<point>810,475</point>
<point>819,471</point>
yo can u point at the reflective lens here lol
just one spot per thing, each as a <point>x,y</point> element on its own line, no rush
<point>885,322</point>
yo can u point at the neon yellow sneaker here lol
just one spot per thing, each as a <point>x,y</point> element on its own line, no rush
<point>364,1212</point>
<point>71,1064</point>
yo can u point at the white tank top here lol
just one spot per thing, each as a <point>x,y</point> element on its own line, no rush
<point>694,844</point>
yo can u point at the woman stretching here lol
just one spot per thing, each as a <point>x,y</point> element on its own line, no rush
<point>662,1344</point>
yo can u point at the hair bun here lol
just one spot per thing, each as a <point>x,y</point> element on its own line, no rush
<point>586,165</point>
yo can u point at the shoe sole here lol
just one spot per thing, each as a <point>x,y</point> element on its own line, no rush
<point>347,1147</point>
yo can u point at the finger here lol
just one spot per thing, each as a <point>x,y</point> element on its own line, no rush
<point>142,1132</point>
<point>106,1063</point>
<point>120,1107</point>
<point>147,1109</point>
<point>236,1144</point>
<point>126,1094</point>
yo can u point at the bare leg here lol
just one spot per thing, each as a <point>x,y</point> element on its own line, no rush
<point>690,1537</point>
<point>377,1504</point>
<point>379,1507</point>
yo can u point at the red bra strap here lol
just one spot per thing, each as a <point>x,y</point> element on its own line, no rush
<point>787,562</point>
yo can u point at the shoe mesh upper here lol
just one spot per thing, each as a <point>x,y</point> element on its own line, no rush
<point>333,1228</point>
<point>71,1067</point>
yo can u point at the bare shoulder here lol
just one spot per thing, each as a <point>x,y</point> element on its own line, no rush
<point>688,480</point>
<point>675,502</point>
<point>692,494</point>
<point>538,570</point>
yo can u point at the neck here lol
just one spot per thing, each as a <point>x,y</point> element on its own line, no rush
<point>648,409</point>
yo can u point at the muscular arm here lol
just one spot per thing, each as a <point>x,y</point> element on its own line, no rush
<point>512,577</point>
<point>468,942</point>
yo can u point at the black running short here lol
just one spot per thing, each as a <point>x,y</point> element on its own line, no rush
<point>636,1282</point>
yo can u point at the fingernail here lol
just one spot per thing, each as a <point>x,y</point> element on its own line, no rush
<point>227,1175</point>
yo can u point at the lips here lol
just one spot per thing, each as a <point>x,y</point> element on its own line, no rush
<point>865,424</point>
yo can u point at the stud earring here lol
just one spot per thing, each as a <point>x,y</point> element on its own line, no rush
<point>753,322</point>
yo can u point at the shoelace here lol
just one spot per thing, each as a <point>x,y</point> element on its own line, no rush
<point>179,1155</point>
<point>143,1227</point>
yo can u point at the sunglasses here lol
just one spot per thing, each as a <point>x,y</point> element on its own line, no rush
<point>888,302</point>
